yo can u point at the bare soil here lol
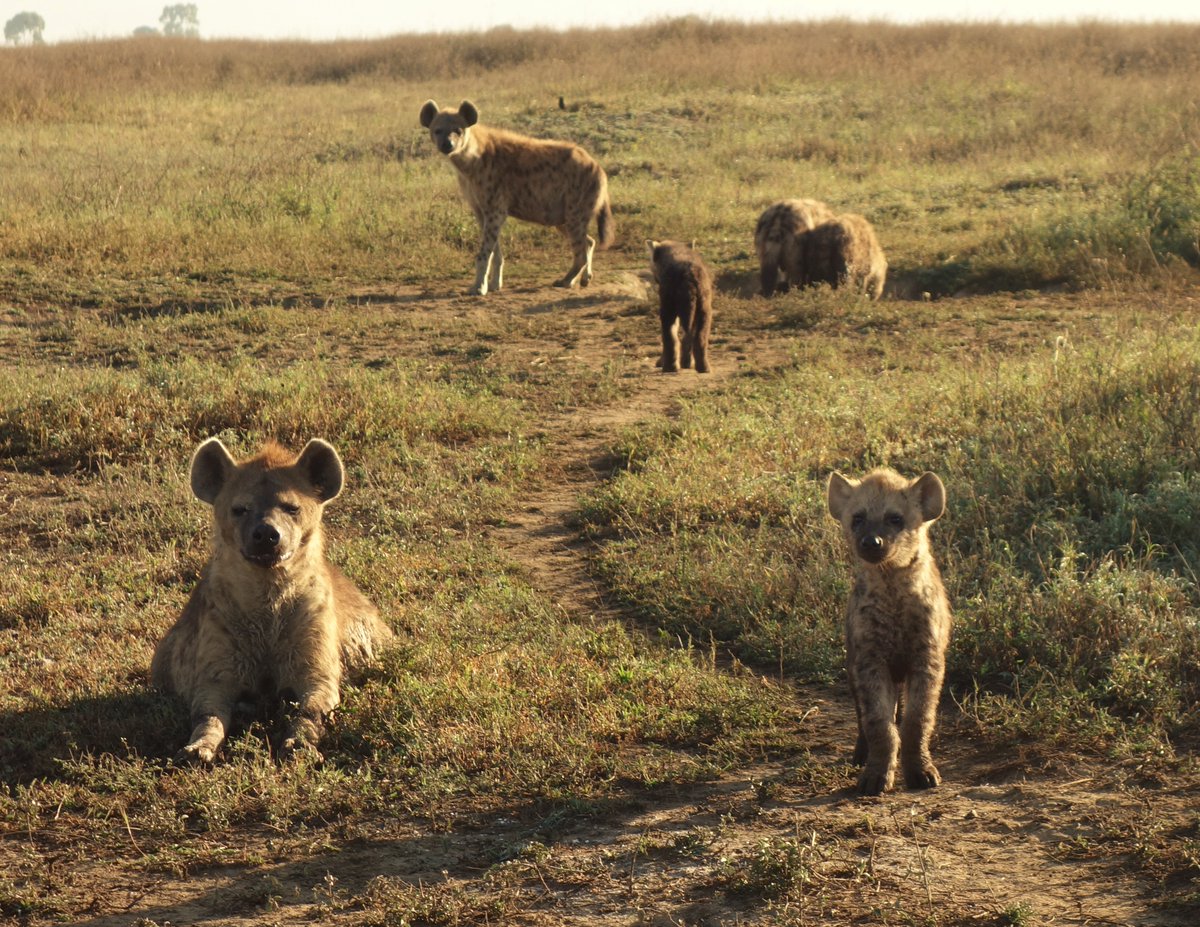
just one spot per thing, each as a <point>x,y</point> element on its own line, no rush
<point>1010,837</point>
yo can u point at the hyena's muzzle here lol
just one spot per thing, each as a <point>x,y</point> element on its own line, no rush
<point>873,540</point>
<point>267,538</point>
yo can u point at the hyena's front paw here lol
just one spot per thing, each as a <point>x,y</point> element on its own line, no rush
<point>921,774</point>
<point>293,748</point>
<point>196,754</point>
<point>874,781</point>
<point>301,735</point>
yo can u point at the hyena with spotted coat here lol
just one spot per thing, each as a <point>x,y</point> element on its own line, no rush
<point>777,239</point>
<point>272,622</point>
<point>897,622</point>
<point>504,174</point>
<point>685,304</point>
<point>844,250</point>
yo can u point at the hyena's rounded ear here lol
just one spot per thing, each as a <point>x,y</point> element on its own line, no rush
<point>428,111</point>
<point>469,113</point>
<point>651,244</point>
<point>931,494</point>
<point>211,466</point>
<point>837,493</point>
<point>320,464</point>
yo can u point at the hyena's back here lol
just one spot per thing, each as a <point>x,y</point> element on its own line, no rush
<point>777,235</point>
<point>844,250</point>
<point>540,180</point>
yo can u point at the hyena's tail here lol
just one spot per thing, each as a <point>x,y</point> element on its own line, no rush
<point>605,227</point>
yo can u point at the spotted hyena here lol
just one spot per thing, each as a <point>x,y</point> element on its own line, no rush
<point>504,174</point>
<point>272,622</point>
<point>685,300</point>
<point>776,239</point>
<point>897,622</point>
<point>844,250</point>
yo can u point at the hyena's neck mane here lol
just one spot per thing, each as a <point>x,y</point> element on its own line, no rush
<point>473,152</point>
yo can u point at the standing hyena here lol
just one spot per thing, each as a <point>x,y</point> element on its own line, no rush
<point>776,239</point>
<point>844,249</point>
<point>271,622</point>
<point>685,299</point>
<point>897,622</point>
<point>504,174</point>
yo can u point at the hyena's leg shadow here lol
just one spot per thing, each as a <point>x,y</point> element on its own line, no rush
<point>489,261</point>
<point>583,246</point>
<point>875,697</point>
<point>923,689</point>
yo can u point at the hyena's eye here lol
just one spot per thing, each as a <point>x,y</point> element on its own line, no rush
<point>895,519</point>
<point>290,508</point>
<point>858,519</point>
<point>239,511</point>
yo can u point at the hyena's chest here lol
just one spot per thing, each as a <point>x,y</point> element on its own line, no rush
<point>270,646</point>
<point>898,625</point>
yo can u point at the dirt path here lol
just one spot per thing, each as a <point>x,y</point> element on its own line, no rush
<point>1006,840</point>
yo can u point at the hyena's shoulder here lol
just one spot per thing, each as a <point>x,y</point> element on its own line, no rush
<point>787,218</point>
<point>174,658</point>
<point>677,265</point>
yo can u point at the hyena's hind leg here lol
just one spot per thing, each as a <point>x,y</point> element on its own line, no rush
<point>583,246</point>
<point>489,262</point>
<point>687,313</point>
<point>669,362</point>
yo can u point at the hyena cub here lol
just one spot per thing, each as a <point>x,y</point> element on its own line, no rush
<point>272,622</point>
<point>897,622</point>
<point>685,304</point>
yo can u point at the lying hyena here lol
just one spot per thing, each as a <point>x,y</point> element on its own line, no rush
<point>844,249</point>
<point>897,622</point>
<point>685,299</point>
<point>504,174</point>
<point>776,239</point>
<point>272,620</point>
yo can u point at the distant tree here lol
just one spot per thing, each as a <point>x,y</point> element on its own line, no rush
<point>146,30</point>
<point>180,19</point>
<point>23,24</point>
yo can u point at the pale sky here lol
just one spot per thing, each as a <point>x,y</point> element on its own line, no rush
<point>332,19</point>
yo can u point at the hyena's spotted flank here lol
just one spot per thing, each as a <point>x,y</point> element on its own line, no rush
<point>685,304</point>
<point>504,174</point>
<point>777,239</point>
<point>897,622</point>
<point>844,250</point>
<point>272,623</point>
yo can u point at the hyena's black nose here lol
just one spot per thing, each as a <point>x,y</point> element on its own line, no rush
<point>266,535</point>
<point>446,145</point>
<point>871,544</point>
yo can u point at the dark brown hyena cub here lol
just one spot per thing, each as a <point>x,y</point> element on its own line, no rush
<point>685,304</point>
<point>897,622</point>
